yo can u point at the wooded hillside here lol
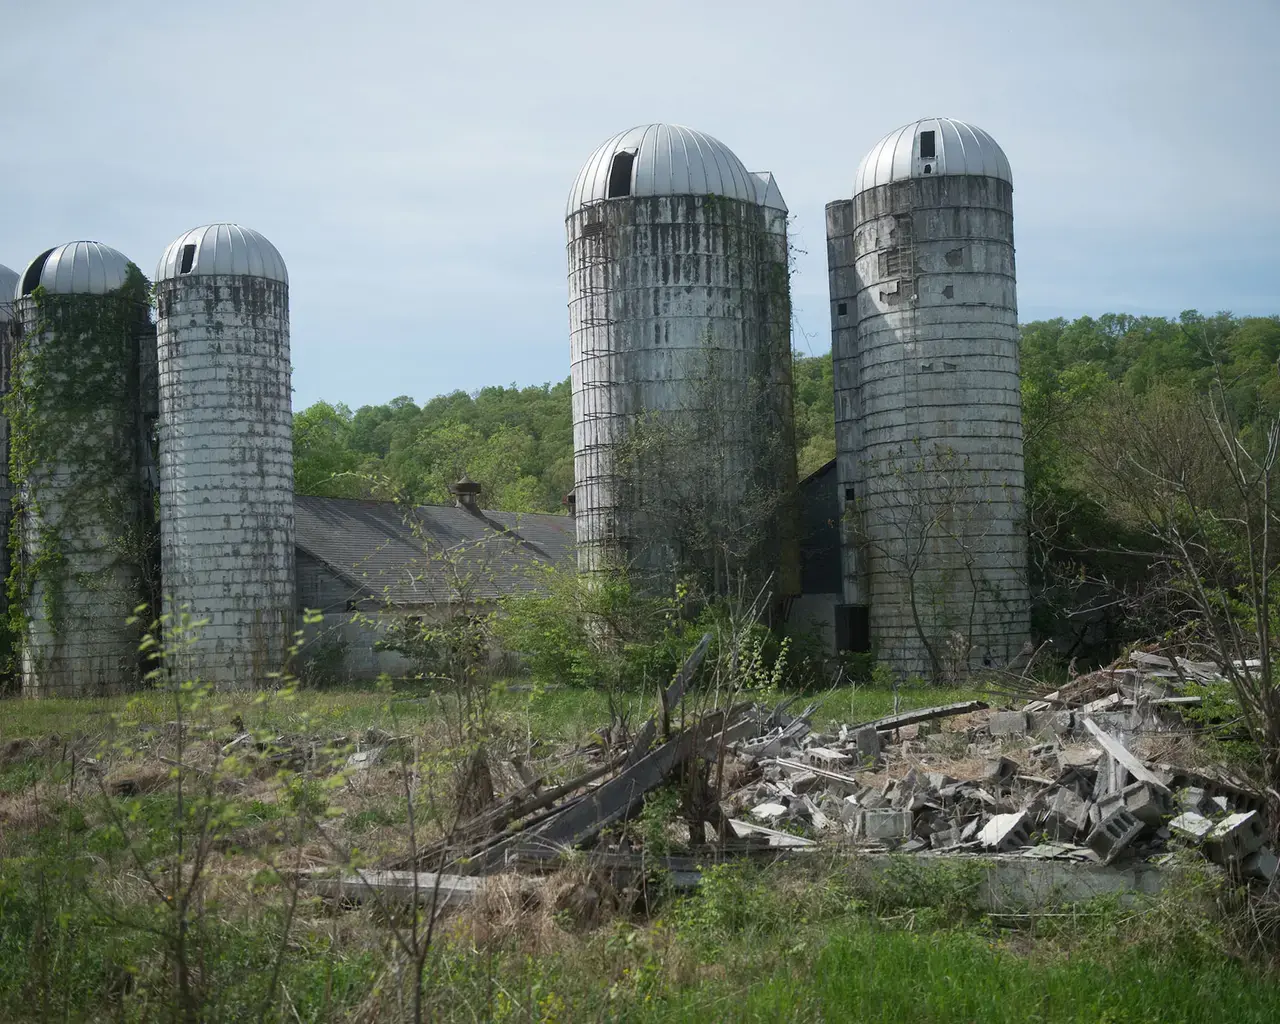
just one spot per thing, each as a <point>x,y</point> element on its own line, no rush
<point>518,442</point>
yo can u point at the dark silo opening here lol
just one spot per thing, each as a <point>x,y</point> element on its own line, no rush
<point>927,151</point>
<point>842,309</point>
<point>31,279</point>
<point>188,259</point>
<point>620,175</point>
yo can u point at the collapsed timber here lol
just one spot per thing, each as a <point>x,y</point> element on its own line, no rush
<point>1095,787</point>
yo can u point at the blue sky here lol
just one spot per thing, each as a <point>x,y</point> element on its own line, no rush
<point>411,160</point>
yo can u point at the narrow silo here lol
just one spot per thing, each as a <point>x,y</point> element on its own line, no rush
<point>226,449</point>
<point>928,409</point>
<point>71,407</point>
<point>679,318</point>
<point>8,336</point>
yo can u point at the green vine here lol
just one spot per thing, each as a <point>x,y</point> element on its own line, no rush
<point>73,405</point>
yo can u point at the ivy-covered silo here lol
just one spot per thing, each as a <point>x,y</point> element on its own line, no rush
<point>79,533</point>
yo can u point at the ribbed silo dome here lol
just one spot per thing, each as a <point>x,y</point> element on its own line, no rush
<point>77,268</point>
<point>8,289</point>
<point>930,147</point>
<point>663,160</point>
<point>222,249</point>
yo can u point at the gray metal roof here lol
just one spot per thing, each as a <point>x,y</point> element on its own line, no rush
<point>433,553</point>
<point>8,288</point>
<point>223,249</point>
<point>959,149</point>
<point>670,160</point>
<point>77,268</point>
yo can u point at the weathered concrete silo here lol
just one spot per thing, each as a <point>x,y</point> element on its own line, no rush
<point>226,449</point>
<point>71,408</point>
<point>679,318</point>
<point>928,408</point>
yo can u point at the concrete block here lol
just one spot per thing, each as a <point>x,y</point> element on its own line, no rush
<point>867,743</point>
<point>1193,798</point>
<point>769,811</point>
<point>1000,770</point>
<point>1113,834</point>
<point>1191,826</point>
<point>1005,832</point>
<point>803,782</point>
<point>1146,803</point>
<point>1262,864</point>
<point>1066,814</point>
<point>883,825</point>
<point>1234,838</point>
<point>1008,723</point>
<point>946,838</point>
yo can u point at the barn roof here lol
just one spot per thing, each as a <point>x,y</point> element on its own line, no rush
<point>431,554</point>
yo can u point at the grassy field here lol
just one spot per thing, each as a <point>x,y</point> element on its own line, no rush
<point>564,713</point>
<point>92,912</point>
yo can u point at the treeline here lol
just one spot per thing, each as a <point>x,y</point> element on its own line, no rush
<point>518,442</point>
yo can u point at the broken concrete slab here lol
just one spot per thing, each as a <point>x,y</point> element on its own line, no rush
<point>425,887</point>
<point>1122,755</point>
<point>892,722</point>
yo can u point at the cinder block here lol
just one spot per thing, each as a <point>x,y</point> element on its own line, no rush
<point>867,743</point>
<point>1261,864</point>
<point>1191,826</point>
<point>1146,803</point>
<point>1005,832</point>
<point>884,825</point>
<point>1113,834</point>
<point>1234,838</point>
<point>1008,723</point>
<point>1066,814</point>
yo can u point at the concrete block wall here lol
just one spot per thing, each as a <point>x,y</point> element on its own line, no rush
<point>226,470</point>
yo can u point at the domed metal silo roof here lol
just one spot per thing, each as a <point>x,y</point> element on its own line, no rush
<point>666,160</point>
<point>77,268</point>
<point>222,249</point>
<point>911,152</point>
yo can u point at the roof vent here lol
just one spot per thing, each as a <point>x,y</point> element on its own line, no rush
<point>466,493</point>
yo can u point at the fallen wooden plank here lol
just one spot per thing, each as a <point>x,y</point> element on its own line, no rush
<point>892,722</point>
<point>670,698</point>
<point>1122,756</point>
<point>617,799</point>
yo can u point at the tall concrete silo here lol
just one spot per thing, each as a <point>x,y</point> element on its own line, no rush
<point>928,407</point>
<point>71,405</point>
<point>226,449</point>
<point>679,318</point>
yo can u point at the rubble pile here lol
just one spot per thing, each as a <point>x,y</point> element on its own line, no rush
<point>1068,775</point>
<point>1056,778</point>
